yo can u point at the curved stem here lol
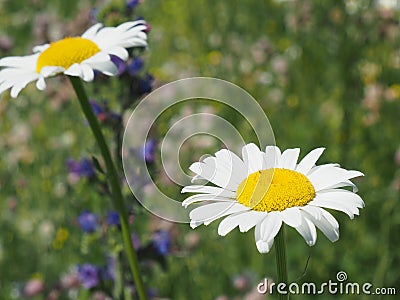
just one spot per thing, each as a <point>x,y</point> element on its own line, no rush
<point>113,179</point>
<point>281,261</point>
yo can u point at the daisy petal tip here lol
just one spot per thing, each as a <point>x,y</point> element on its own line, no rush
<point>262,247</point>
<point>222,232</point>
<point>194,224</point>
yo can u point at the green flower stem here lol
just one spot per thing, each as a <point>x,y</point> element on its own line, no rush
<point>112,176</point>
<point>281,260</point>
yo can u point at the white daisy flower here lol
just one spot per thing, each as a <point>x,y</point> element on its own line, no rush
<point>74,56</point>
<point>267,189</point>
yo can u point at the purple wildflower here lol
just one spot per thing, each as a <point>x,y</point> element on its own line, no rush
<point>108,272</point>
<point>146,84</point>
<point>131,4</point>
<point>162,241</point>
<point>88,275</point>
<point>83,168</point>
<point>113,218</point>
<point>119,63</point>
<point>135,66</point>
<point>96,107</point>
<point>93,15</point>
<point>135,241</point>
<point>87,221</point>
<point>149,150</point>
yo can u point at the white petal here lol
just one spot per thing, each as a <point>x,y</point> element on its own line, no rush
<point>6,85</point>
<point>121,52</point>
<point>206,189</point>
<point>291,216</point>
<point>106,67</point>
<point>273,156</point>
<point>128,25</point>
<point>40,48</point>
<point>215,210</point>
<point>48,71</point>
<point>343,195</point>
<point>204,197</point>
<point>324,178</point>
<point>74,70</point>
<point>309,160</point>
<point>307,230</point>
<point>327,224</point>
<point>41,84</point>
<point>216,170</point>
<point>21,83</point>
<point>344,184</point>
<point>126,36</point>
<point>231,164</point>
<point>337,204</point>
<point>245,220</point>
<point>262,246</point>
<point>253,158</point>
<point>289,159</point>
<point>87,72</point>
<point>313,211</point>
<point>316,168</point>
<point>92,31</point>
<point>27,62</point>
<point>99,57</point>
<point>270,226</point>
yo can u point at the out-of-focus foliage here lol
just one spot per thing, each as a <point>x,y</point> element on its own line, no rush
<point>327,74</point>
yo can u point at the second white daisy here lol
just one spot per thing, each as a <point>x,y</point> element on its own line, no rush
<point>74,56</point>
<point>267,189</point>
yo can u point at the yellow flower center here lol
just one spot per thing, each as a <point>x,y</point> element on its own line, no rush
<point>275,189</point>
<point>64,53</point>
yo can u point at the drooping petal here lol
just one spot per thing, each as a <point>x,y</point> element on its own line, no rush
<point>87,72</point>
<point>41,84</point>
<point>312,210</point>
<point>245,220</point>
<point>291,216</point>
<point>307,230</point>
<point>262,246</point>
<point>336,204</point>
<point>121,52</point>
<point>270,226</point>
<point>108,67</point>
<point>327,224</point>
<point>74,70</point>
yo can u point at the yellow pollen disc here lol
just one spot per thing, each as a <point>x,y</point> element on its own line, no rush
<point>64,53</point>
<point>275,189</point>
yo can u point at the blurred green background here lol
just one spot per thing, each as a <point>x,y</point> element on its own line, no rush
<point>327,73</point>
